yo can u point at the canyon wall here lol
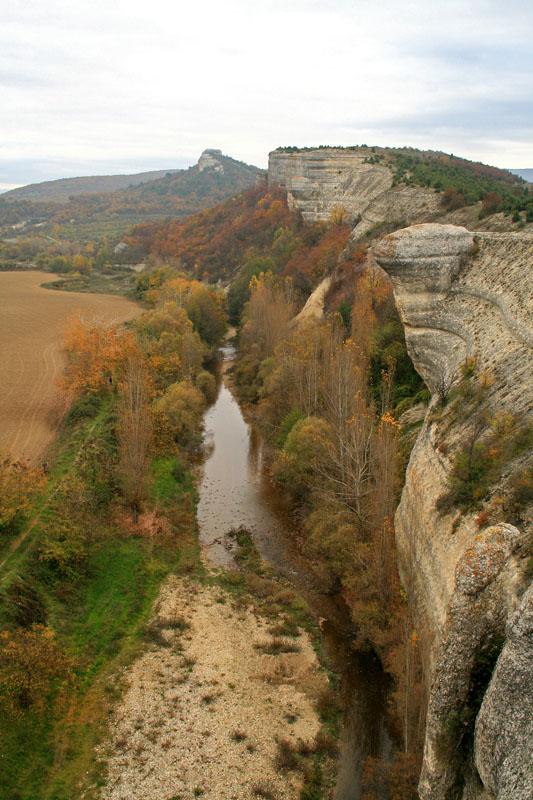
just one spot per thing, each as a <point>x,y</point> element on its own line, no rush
<point>460,296</point>
<point>464,297</point>
<point>320,181</point>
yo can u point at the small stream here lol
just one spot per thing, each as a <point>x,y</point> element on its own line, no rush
<point>236,491</point>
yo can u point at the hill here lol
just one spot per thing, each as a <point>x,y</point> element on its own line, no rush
<point>61,190</point>
<point>177,194</point>
<point>364,190</point>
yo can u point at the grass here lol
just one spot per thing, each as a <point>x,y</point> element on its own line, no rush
<point>121,282</point>
<point>100,618</point>
<point>276,645</point>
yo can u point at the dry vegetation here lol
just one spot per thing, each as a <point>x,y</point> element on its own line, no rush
<point>31,326</point>
<point>208,704</point>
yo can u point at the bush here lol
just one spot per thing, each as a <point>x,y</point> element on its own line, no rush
<point>286,756</point>
<point>182,406</point>
<point>207,385</point>
<point>63,547</point>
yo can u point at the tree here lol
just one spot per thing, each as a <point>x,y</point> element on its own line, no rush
<point>31,661</point>
<point>134,430</point>
<point>304,457</point>
<point>182,406</point>
<point>81,264</point>
<point>491,203</point>
<point>18,483</point>
<point>268,314</point>
<point>94,348</point>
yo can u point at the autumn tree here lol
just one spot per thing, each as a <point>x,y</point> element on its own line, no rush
<point>304,457</point>
<point>81,264</point>
<point>18,483</point>
<point>268,314</point>
<point>31,662</point>
<point>134,429</point>
<point>94,348</point>
<point>181,406</point>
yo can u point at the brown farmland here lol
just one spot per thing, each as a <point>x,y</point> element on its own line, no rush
<point>32,320</point>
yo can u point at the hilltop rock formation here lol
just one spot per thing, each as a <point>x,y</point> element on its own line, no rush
<point>209,160</point>
<point>459,297</point>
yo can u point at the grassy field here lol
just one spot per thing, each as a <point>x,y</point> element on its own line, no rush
<point>118,282</point>
<point>97,609</point>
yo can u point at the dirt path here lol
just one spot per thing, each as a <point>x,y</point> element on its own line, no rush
<point>32,320</point>
<point>205,704</point>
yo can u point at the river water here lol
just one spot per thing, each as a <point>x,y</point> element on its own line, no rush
<point>235,490</point>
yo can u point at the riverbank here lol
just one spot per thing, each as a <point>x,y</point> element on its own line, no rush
<point>210,701</point>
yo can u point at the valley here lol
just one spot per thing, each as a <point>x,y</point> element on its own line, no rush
<point>302,571</point>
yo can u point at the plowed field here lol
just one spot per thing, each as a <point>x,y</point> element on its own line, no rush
<point>32,320</point>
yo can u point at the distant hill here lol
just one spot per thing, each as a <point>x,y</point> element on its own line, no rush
<point>176,194</point>
<point>526,174</point>
<point>62,189</point>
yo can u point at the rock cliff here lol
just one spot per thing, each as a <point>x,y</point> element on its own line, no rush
<point>209,160</point>
<point>319,181</point>
<point>462,297</point>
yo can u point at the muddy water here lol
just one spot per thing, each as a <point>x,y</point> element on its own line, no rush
<point>236,491</point>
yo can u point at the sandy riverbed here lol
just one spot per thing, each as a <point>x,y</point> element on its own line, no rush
<point>204,706</point>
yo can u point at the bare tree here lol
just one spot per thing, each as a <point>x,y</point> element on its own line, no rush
<point>134,430</point>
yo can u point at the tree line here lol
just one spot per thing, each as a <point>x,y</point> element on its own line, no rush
<point>336,451</point>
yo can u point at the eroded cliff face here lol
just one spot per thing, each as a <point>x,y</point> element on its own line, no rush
<point>462,297</point>
<point>319,181</point>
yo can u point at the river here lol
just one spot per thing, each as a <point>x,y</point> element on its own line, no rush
<point>235,490</point>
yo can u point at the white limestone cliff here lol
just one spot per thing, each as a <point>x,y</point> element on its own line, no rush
<point>460,298</point>
<point>323,180</point>
<point>460,295</point>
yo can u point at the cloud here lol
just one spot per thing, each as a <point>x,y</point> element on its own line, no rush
<point>94,83</point>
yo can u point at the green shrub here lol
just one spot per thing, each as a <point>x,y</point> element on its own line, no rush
<point>85,406</point>
<point>207,385</point>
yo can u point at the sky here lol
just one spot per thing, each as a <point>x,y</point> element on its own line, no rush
<point>97,87</point>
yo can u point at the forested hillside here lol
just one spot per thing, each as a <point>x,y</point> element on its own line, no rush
<point>176,194</point>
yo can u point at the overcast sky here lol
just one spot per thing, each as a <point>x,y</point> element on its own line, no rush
<point>112,86</point>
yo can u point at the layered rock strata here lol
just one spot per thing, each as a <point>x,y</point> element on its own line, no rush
<point>462,296</point>
<point>326,179</point>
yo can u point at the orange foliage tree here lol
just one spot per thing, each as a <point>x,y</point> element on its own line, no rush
<point>18,483</point>
<point>216,241</point>
<point>31,663</point>
<point>94,348</point>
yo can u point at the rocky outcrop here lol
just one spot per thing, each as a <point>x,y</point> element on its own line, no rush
<point>323,180</point>
<point>424,262</point>
<point>314,306</point>
<point>208,160</point>
<point>462,296</point>
<point>504,729</point>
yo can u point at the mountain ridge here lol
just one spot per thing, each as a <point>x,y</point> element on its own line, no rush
<point>62,189</point>
<point>177,194</point>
